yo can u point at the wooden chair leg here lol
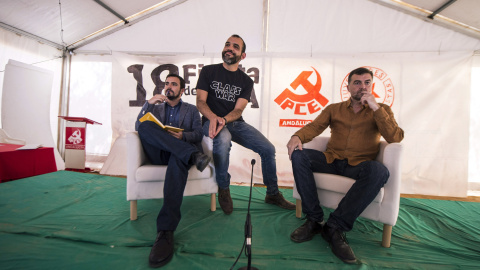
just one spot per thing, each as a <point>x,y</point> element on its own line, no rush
<point>298,208</point>
<point>213,202</point>
<point>133,210</point>
<point>387,235</point>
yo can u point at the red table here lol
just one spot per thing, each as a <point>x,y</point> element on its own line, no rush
<point>16,164</point>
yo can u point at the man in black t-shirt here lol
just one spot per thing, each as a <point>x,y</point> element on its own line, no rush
<point>223,91</point>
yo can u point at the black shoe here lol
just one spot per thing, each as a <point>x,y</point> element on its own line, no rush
<point>339,244</point>
<point>306,231</point>
<point>225,200</point>
<point>280,201</point>
<point>201,161</point>
<point>162,250</point>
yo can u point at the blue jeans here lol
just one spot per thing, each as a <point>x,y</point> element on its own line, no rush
<point>370,177</point>
<point>248,137</point>
<point>164,149</point>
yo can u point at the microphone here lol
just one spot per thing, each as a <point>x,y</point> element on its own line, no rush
<point>248,235</point>
<point>248,223</point>
<point>248,230</point>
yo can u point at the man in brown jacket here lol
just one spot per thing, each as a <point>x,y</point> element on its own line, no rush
<point>356,127</point>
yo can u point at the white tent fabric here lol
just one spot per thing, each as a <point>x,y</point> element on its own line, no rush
<point>349,26</point>
<point>408,82</point>
<point>195,26</point>
<point>429,66</point>
<point>79,21</point>
<point>301,26</point>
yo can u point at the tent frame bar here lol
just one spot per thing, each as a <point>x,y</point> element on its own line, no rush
<point>111,10</point>
<point>444,6</point>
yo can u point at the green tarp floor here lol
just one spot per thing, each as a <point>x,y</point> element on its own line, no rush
<point>69,220</point>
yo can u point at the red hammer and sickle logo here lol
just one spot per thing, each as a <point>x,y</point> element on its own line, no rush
<point>313,91</point>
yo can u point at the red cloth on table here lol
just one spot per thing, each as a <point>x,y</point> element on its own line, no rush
<point>17,164</point>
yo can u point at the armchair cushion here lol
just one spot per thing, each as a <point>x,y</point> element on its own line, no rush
<point>155,173</point>
<point>339,184</point>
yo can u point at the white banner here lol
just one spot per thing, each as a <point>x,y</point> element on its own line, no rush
<point>428,93</point>
<point>137,78</point>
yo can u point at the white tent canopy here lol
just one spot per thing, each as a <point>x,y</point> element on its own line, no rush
<point>73,24</point>
<point>429,62</point>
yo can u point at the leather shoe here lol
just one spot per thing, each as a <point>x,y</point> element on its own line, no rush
<point>225,200</point>
<point>339,244</point>
<point>280,201</point>
<point>201,161</point>
<point>162,250</point>
<point>306,231</point>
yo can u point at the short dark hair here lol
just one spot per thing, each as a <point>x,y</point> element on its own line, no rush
<point>182,81</point>
<point>244,48</point>
<point>359,71</point>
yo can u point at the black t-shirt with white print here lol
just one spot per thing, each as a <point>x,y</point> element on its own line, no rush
<point>224,88</point>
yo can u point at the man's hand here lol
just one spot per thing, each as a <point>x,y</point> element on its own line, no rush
<point>293,144</point>
<point>158,98</point>
<point>369,98</point>
<point>178,135</point>
<point>216,126</point>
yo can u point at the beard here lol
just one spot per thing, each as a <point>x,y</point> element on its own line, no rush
<point>171,95</point>
<point>230,60</point>
<point>357,97</point>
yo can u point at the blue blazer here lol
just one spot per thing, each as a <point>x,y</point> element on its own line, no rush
<point>189,120</point>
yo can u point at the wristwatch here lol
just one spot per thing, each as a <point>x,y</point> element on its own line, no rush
<point>225,120</point>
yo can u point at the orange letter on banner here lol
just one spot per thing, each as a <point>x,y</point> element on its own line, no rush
<point>287,104</point>
<point>297,109</point>
<point>313,107</point>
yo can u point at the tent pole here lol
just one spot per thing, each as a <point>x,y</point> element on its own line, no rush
<point>264,106</point>
<point>266,13</point>
<point>63,108</point>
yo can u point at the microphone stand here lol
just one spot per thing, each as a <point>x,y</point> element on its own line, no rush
<point>248,230</point>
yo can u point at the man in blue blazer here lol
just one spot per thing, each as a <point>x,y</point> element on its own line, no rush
<point>179,150</point>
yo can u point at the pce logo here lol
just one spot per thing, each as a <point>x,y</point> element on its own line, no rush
<point>76,137</point>
<point>310,102</point>
<point>382,87</point>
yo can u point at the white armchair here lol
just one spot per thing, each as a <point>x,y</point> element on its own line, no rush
<point>145,181</point>
<point>332,188</point>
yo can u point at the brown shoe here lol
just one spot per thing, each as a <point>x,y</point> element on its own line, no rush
<point>280,201</point>
<point>339,244</point>
<point>225,200</point>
